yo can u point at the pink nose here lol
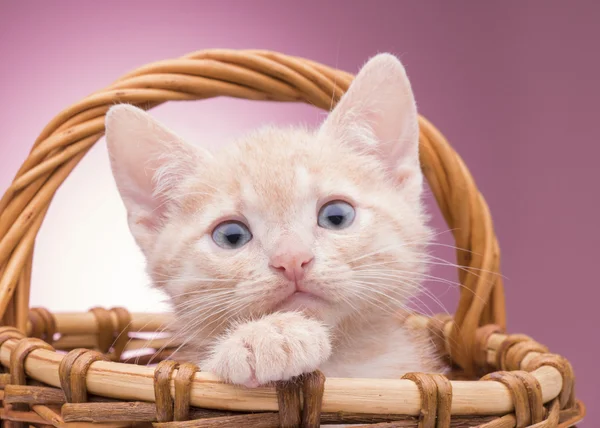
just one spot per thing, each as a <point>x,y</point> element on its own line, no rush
<point>292,263</point>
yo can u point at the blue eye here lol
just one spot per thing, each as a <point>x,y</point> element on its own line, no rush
<point>336,215</point>
<point>231,235</point>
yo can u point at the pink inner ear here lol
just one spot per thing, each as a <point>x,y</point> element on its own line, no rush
<point>151,208</point>
<point>405,173</point>
<point>148,222</point>
<point>379,109</point>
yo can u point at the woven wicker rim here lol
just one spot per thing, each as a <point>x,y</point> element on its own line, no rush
<point>533,386</point>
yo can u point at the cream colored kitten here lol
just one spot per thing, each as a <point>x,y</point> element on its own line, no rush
<point>291,250</point>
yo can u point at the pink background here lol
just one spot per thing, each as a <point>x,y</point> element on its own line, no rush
<point>513,85</point>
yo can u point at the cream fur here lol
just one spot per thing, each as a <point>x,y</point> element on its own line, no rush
<point>234,311</point>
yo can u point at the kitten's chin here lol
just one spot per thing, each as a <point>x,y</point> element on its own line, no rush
<point>301,301</point>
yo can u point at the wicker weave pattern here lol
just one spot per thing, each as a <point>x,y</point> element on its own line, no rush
<point>537,391</point>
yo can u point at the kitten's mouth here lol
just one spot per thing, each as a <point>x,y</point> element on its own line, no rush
<point>300,300</point>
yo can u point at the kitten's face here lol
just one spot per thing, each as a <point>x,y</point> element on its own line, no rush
<point>327,222</point>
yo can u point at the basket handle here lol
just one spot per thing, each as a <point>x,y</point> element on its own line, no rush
<point>256,75</point>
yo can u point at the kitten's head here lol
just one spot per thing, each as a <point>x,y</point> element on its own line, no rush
<point>327,221</point>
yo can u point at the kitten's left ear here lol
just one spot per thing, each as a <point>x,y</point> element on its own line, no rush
<point>378,115</point>
<point>148,162</point>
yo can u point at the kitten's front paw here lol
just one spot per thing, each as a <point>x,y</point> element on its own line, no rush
<point>276,347</point>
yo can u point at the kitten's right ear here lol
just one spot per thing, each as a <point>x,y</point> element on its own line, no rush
<point>378,115</point>
<point>148,162</point>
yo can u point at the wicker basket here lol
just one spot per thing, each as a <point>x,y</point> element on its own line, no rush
<point>67,369</point>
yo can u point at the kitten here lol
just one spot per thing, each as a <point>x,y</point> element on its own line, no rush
<point>291,250</point>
